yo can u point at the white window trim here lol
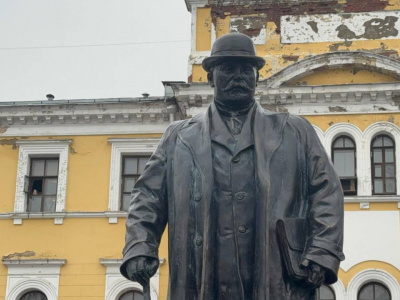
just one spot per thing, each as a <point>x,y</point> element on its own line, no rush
<point>339,290</point>
<point>28,149</point>
<point>372,131</point>
<point>36,274</point>
<point>116,284</point>
<point>356,134</point>
<point>119,147</point>
<point>371,275</point>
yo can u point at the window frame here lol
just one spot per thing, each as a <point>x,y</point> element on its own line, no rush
<point>44,177</point>
<point>124,175</point>
<point>120,147</point>
<point>130,291</point>
<point>373,283</point>
<point>354,149</point>
<point>26,275</point>
<point>29,149</point>
<point>383,165</point>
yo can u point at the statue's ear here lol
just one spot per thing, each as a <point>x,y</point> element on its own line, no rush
<point>210,79</point>
<point>258,77</point>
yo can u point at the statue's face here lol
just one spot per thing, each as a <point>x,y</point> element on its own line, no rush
<point>234,80</point>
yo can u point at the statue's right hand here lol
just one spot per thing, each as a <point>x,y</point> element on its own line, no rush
<point>141,268</point>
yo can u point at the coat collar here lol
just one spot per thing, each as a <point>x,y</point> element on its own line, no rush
<point>220,133</point>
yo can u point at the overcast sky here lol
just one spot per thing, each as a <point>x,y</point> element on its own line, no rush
<point>38,54</point>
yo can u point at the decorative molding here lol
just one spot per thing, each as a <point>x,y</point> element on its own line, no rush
<point>81,117</point>
<point>361,59</point>
<point>339,290</point>
<point>120,147</point>
<point>35,274</point>
<point>116,284</point>
<point>373,275</point>
<point>302,100</point>
<point>38,148</point>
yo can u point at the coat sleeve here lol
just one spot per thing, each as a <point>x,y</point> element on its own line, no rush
<point>148,210</point>
<point>325,212</point>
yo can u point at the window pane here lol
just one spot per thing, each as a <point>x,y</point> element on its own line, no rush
<point>50,186</point>
<point>389,157</point>
<point>367,292</point>
<point>387,141</point>
<point>126,200</point>
<point>129,184</point>
<point>348,143</point>
<point>35,203</point>
<point>378,170</point>
<point>390,186</point>
<point>381,293</point>
<point>389,170</point>
<point>142,164</point>
<point>377,156</point>
<point>338,143</point>
<point>49,203</point>
<point>52,167</point>
<point>37,187</point>
<point>132,295</point>
<point>34,295</point>
<point>344,163</point>
<point>325,293</point>
<point>138,296</point>
<point>378,186</point>
<point>37,167</point>
<point>127,296</point>
<point>378,142</point>
<point>130,165</point>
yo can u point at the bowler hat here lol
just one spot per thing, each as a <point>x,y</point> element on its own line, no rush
<point>233,46</point>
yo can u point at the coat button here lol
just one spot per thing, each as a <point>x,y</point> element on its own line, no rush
<point>199,241</point>
<point>239,196</point>
<point>236,159</point>
<point>197,197</point>
<point>242,229</point>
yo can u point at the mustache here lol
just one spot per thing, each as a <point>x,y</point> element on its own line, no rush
<point>237,85</point>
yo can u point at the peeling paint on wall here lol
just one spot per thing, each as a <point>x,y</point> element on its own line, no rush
<point>340,27</point>
<point>17,255</point>
<point>253,26</point>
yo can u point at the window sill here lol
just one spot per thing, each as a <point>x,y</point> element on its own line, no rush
<point>59,216</point>
<point>364,201</point>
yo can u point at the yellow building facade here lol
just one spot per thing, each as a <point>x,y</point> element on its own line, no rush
<point>334,62</point>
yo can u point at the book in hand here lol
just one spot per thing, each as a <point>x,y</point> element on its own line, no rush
<point>292,237</point>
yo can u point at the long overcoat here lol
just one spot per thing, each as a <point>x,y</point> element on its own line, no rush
<point>294,178</point>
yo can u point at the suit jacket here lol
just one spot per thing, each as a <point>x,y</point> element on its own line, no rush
<point>294,178</point>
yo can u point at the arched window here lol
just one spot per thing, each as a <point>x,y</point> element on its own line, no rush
<point>374,291</point>
<point>326,293</point>
<point>132,295</point>
<point>344,160</point>
<point>383,165</point>
<point>33,295</point>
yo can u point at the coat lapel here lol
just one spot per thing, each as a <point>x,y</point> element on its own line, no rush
<point>196,136</point>
<point>268,134</point>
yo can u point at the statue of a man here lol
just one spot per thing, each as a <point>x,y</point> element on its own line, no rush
<point>221,181</point>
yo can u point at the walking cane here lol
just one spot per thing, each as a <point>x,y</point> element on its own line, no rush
<point>146,291</point>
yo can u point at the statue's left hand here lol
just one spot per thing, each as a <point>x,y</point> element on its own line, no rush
<point>316,275</point>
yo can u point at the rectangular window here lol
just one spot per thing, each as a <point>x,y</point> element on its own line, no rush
<point>132,168</point>
<point>43,181</point>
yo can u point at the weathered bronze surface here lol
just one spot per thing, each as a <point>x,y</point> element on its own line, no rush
<point>253,205</point>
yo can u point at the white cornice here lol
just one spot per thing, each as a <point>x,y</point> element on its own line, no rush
<point>81,113</point>
<point>306,100</point>
<point>25,262</point>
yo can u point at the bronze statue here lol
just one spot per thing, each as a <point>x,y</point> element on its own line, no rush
<point>253,205</point>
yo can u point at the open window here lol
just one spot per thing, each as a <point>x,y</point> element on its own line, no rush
<point>344,160</point>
